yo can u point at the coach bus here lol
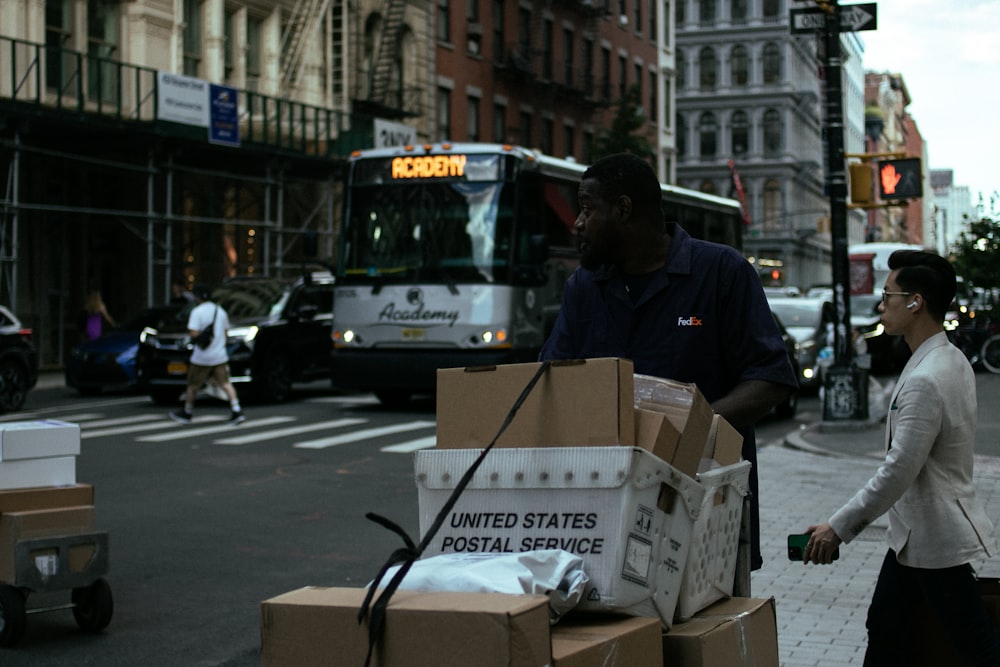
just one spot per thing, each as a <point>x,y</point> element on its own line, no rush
<point>456,254</point>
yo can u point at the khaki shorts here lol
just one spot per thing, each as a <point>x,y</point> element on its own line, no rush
<point>197,375</point>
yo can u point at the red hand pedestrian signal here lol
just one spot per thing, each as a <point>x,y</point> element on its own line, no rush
<point>890,179</point>
<point>900,179</point>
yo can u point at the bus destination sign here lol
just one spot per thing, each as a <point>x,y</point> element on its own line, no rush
<point>428,166</point>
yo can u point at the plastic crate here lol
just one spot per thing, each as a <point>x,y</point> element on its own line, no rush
<point>628,514</point>
<point>711,565</point>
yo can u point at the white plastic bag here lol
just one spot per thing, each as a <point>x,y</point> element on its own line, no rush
<point>552,572</point>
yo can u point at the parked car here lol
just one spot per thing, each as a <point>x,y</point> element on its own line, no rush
<point>805,319</point>
<point>787,408</point>
<point>279,334</point>
<point>18,362</point>
<point>109,363</point>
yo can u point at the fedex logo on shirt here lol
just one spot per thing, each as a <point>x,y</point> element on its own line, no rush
<point>692,321</point>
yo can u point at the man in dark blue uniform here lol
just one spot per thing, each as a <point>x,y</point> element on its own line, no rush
<point>679,308</point>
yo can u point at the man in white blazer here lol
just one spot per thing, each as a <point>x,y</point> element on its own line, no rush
<point>936,525</point>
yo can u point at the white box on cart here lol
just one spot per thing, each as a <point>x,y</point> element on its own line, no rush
<point>628,514</point>
<point>38,439</point>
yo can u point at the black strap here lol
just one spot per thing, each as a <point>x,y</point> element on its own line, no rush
<point>410,553</point>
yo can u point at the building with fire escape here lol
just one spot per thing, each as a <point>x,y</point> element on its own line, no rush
<point>192,140</point>
<point>749,92</point>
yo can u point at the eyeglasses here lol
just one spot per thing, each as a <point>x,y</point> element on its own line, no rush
<point>886,294</point>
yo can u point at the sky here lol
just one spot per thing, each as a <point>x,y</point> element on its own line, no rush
<point>949,56</point>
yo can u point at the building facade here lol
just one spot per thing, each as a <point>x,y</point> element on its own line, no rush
<point>953,209</point>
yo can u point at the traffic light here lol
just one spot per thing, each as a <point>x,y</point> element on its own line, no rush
<point>862,183</point>
<point>900,179</point>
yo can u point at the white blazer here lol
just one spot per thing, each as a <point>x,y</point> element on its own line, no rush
<point>925,482</point>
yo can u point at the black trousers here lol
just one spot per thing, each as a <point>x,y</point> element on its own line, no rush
<point>953,596</point>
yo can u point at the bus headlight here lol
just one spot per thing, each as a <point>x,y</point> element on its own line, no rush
<point>490,337</point>
<point>345,338</point>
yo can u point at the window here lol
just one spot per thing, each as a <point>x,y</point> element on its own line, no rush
<point>526,139</point>
<point>652,95</point>
<point>681,70</point>
<point>443,21</point>
<point>568,47</point>
<point>58,36</point>
<point>102,45</point>
<point>772,205</point>
<point>740,63</point>
<point>682,144</point>
<point>637,77</point>
<point>706,12</point>
<point>680,17</point>
<point>772,63</point>
<point>606,73</point>
<point>499,123</point>
<point>499,39</point>
<point>652,19</point>
<point>740,133</point>
<point>771,9</point>
<point>524,30</point>
<point>568,147</point>
<point>707,69</point>
<point>230,56</point>
<point>548,129</point>
<point>472,112</point>
<point>638,15</point>
<point>667,114</point>
<point>588,147</point>
<point>472,11</point>
<point>192,37</point>
<point>547,50</point>
<point>738,11</point>
<point>444,114</point>
<point>253,53</point>
<point>707,135</point>
<point>772,133</point>
<point>588,67</point>
<point>622,76</point>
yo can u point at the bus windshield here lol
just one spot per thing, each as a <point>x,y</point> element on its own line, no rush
<point>450,228</point>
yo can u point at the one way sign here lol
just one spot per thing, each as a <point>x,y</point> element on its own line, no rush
<point>852,18</point>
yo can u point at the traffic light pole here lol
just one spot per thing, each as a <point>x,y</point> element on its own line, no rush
<point>845,385</point>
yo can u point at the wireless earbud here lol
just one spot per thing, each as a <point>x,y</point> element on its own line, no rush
<point>912,305</point>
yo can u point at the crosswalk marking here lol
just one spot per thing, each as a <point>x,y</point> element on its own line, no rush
<point>188,432</point>
<point>346,400</point>
<point>291,430</point>
<point>365,434</point>
<point>159,423</point>
<point>94,421</point>
<point>411,445</point>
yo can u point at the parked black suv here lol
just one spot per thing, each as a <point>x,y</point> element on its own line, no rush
<point>279,334</point>
<point>18,362</point>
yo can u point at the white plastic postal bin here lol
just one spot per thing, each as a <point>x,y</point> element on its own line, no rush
<point>628,514</point>
<point>711,565</point>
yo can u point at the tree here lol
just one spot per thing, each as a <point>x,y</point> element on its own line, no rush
<point>625,134</point>
<point>976,254</point>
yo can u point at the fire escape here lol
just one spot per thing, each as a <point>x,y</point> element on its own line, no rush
<point>387,95</point>
<point>301,29</point>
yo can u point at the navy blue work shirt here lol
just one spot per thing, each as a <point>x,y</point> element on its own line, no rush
<point>702,318</point>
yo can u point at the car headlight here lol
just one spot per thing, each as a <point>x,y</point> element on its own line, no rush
<point>242,334</point>
<point>149,336</point>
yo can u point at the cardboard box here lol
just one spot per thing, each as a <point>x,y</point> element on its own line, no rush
<point>319,626</point>
<point>596,640</point>
<point>28,473</point>
<point>664,435</point>
<point>627,513</point>
<point>738,632</point>
<point>16,526</point>
<point>724,445</point>
<point>584,402</point>
<point>38,439</point>
<point>46,497</point>
<point>711,567</point>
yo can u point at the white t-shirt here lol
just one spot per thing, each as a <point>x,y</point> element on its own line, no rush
<point>199,319</point>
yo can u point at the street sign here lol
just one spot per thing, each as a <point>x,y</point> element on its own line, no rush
<point>852,18</point>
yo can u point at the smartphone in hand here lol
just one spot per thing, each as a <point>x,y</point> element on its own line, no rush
<point>797,547</point>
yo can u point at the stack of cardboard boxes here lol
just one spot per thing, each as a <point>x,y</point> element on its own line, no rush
<point>39,498</point>
<point>599,462</point>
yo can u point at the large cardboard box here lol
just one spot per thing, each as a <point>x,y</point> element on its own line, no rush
<point>583,402</point>
<point>724,446</point>
<point>38,439</point>
<point>46,497</point>
<point>738,632</point>
<point>597,640</point>
<point>27,473</point>
<point>628,514</point>
<point>319,626</point>
<point>15,526</point>
<point>663,435</point>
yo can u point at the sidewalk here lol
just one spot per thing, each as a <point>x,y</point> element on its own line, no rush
<point>821,609</point>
